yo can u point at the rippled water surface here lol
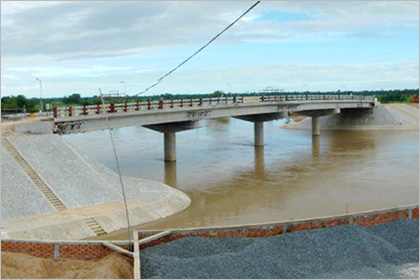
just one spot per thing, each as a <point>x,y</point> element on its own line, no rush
<point>293,176</point>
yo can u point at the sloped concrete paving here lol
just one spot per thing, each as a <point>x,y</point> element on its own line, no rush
<point>88,188</point>
<point>21,198</point>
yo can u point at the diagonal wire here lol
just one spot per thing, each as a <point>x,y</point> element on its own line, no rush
<point>118,168</point>
<point>199,50</point>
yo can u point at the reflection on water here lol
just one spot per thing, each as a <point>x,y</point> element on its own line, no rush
<point>170,173</point>
<point>294,175</point>
<point>259,162</point>
<point>315,147</point>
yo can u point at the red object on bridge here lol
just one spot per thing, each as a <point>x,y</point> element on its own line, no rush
<point>200,102</point>
<point>125,107</point>
<point>137,106</point>
<point>148,105</point>
<point>182,103</point>
<point>98,109</point>
<point>172,103</point>
<point>70,111</point>
<point>190,102</point>
<point>84,110</point>
<point>55,112</point>
<point>111,108</point>
<point>160,104</point>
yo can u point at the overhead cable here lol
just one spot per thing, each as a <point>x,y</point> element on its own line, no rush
<point>119,170</point>
<point>199,50</point>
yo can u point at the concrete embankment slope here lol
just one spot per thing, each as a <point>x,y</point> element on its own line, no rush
<point>84,188</point>
<point>383,117</point>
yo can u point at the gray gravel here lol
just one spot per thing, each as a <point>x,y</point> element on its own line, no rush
<point>19,196</point>
<point>350,251</point>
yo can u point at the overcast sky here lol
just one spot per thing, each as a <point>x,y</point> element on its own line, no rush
<point>78,47</point>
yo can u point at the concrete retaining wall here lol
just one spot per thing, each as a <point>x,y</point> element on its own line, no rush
<point>369,218</point>
<point>95,249</point>
<point>45,127</point>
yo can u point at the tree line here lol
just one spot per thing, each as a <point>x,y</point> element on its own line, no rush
<point>75,99</point>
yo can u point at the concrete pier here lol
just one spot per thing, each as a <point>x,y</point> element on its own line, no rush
<point>258,120</point>
<point>170,146</point>
<point>315,126</point>
<point>258,134</point>
<point>169,137</point>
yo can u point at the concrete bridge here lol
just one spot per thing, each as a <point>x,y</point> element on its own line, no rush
<point>172,116</point>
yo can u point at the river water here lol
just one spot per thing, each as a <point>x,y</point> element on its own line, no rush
<point>293,176</point>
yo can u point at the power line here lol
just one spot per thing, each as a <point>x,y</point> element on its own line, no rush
<point>199,50</point>
<point>119,170</point>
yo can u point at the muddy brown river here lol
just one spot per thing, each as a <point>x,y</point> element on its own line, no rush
<point>293,176</point>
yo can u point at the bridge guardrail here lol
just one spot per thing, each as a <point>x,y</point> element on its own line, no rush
<point>179,103</point>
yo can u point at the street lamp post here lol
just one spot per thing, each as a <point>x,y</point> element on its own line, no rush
<point>125,87</point>
<point>40,86</point>
<point>230,87</point>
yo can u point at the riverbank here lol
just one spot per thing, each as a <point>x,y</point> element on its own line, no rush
<point>52,191</point>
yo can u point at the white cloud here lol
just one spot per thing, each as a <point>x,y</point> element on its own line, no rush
<point>84,28</point>
<point>80,45</point>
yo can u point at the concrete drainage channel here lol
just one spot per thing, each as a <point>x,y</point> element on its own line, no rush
<point>46,191</point>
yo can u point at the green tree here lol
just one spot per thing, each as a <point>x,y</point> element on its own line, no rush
<point>217,93</point>
<point>75,98</point>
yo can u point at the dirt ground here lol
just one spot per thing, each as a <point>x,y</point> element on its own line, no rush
<point>23,266</point>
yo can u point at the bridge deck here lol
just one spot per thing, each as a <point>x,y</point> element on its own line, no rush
<point>87,118</point>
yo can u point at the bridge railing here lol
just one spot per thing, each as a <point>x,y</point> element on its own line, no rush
<point>195,102</point>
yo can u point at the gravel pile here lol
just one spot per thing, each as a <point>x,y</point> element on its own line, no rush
<point>19,196</point>
<point>350,251</point>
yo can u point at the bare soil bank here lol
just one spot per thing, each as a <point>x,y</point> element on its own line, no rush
<point>19,266</point>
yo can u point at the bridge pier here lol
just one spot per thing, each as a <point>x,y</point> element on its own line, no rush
<point>315,126</point>
<point>315,115</point>
<point>169,139</point>
<point>169,135</point>
<point>258,120</point>
<point>258,134</point>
